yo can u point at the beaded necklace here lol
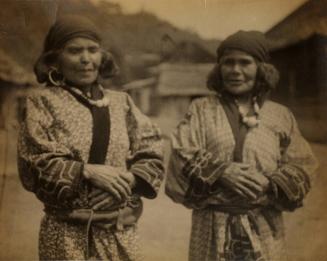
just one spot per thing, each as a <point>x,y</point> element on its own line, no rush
<point>104,102</point>
<point>253,120</point>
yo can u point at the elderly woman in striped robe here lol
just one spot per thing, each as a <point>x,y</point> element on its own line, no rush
<point>238,159</point>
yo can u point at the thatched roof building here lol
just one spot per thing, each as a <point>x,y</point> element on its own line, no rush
<point>300,54</point>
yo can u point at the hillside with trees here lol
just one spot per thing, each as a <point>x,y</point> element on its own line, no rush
<point>23,25</point>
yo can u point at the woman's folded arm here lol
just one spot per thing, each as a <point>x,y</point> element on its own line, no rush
<point>292,180</point>
<point>45,166</point>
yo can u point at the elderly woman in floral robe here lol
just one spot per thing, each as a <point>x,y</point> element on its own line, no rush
<point>238,159</point>
<point>87,153</point>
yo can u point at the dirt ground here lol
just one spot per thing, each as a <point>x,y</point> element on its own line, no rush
<point>164,227</point>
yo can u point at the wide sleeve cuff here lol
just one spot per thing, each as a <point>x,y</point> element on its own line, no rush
<point>64,188</point>
<point>289,185</point>
<point>145,171</point>
<point>203,173</point>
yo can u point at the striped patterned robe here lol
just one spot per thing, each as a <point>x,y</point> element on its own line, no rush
<point>202,147</point>
<point>54,143</point>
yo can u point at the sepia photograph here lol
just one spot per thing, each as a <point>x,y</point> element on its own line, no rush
<point>163,130</point>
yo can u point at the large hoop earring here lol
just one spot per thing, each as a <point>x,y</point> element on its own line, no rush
<point>52,80</point>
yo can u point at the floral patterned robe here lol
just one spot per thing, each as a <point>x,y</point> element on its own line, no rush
<point>203,145</point>
<point>54,143</point>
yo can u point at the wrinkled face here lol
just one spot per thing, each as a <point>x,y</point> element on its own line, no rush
<point>238,70</point>
<point>79,61</point>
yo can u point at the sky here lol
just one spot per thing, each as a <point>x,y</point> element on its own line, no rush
<point>216,18</point>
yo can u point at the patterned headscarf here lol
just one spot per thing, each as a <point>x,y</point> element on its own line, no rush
<point>251,42</point>
<point>68,27</point>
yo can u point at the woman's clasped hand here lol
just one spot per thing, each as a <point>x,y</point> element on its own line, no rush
<point>244,180</point>
<point>110,181</point>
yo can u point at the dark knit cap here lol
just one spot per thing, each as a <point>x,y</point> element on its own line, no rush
<point>68,27</point>
<point>251,42</point>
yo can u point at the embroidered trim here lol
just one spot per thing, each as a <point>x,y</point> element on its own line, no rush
<point>203,172</point>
